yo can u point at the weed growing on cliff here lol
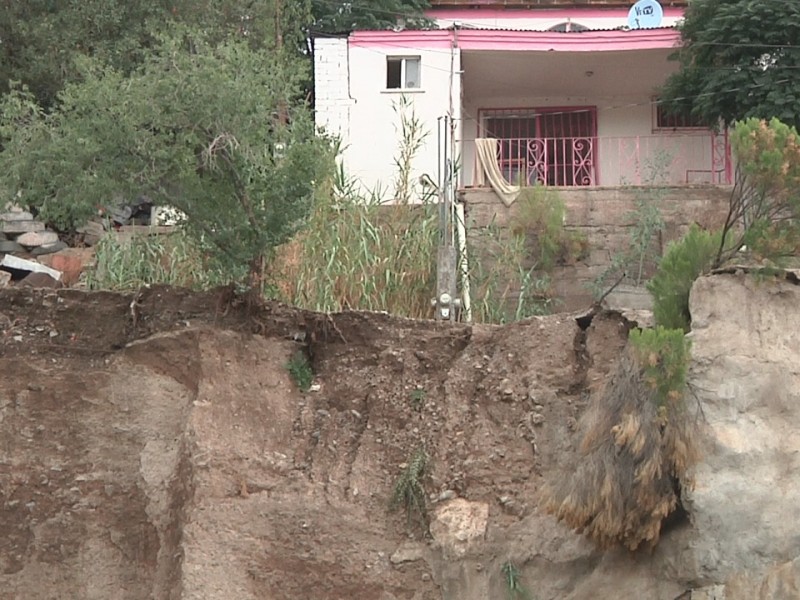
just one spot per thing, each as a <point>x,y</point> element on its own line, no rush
<point>510,270</point>
<point>683,262</point>
<point>638,445</point>
<point>503,289</point>
<point>418,396</point>
<point>409,490</point>
<point>514,587</point>
<point>300,370</point>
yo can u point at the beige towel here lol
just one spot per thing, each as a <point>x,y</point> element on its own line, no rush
<point>487,167</point>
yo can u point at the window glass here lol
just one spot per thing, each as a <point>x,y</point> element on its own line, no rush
<point>412,73</point>
<point>683,120</point>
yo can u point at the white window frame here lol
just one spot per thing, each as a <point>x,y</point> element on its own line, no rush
<point>403,60</point>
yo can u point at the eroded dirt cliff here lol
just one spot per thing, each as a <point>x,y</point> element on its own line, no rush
<point>156,447</point>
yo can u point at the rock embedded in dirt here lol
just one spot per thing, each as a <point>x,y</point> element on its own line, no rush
<point>40,280</point>
<point>459,526</point>
<point>408,552</point>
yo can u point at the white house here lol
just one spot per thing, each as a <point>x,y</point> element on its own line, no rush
<point>563,93</point>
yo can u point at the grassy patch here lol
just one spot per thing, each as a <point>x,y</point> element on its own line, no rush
<point>300,370</point>
<point>417,397</point>
<point>172,259</point>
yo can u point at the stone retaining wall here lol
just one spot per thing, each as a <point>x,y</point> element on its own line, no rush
<point>603,215</point>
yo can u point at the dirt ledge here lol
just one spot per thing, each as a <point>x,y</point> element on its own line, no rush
<point>157,448</point>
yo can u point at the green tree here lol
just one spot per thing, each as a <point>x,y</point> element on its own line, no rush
<point>198,126</point>
<point>332,16</point>
<point>42,41</point>
<point>739,59</point>
<point>764,209</point>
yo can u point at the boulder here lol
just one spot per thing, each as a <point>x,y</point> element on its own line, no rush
<point>459,526</point>
<point>34,239</point>
<point>71,262</point>
<point>10,247</point>
<point>746,374</point>
<point>92,232</point>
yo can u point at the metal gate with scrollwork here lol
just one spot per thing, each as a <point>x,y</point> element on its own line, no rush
<point>552,146</point>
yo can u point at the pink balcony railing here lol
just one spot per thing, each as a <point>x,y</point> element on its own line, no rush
<point>668,159</point>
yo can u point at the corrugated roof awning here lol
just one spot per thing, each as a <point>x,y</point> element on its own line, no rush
<point>522,40</point>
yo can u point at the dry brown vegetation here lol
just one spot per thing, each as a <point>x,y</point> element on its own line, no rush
<point>634,458</point>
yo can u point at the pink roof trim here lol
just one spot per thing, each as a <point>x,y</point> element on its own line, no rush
<point>466,14</point>
<point>535,41</point>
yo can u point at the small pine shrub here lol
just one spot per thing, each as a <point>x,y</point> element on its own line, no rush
<point>663,356</point>
<point>682,263</point>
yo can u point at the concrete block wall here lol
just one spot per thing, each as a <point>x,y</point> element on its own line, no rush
<point>332,100</point>
<point>603,216</point>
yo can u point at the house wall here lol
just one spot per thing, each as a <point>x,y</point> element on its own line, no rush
<point>352,101</point>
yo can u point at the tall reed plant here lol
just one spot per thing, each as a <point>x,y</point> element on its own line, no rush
<point>364,255</point>
<point>359,252</point>
<point>173,259</point>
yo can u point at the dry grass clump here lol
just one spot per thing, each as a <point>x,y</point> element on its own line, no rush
<point>638,444</point>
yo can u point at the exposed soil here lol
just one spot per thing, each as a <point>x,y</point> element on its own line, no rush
<point>155,446</point>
